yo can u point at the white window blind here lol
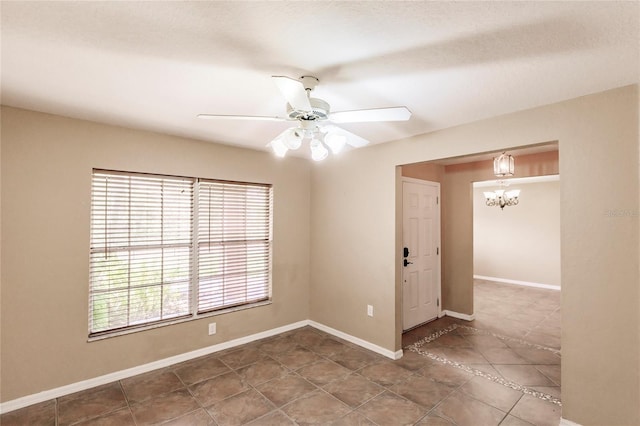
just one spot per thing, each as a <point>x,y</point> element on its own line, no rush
<point>234,244</point>
<point>141,249</point>
<point>151,261</point>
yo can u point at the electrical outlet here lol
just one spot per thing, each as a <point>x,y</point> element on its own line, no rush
<point>212,328</point>
<point>370,310</point>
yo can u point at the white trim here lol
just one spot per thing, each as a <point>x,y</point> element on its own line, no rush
<point>565,422</point>
<point>517,282</point>
<point>356,340</point>
<point>523,180</point>
<point>458,315</point>
<point>144,368</point>
<point>47,395</point>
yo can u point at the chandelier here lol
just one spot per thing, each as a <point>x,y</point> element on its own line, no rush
<point>501,198</point>
<point>502,166</point>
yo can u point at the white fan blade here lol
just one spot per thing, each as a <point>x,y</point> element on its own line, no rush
<point>240,117</point>
<point>294,92</point>
<point>352,139</point>
<point>365,115</point>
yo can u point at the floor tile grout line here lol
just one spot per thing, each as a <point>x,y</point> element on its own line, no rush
<point>196,400</point>
<point>453,390</point>
<point>495,379</point>
<point>98,416</point>
<point>416,373</point>
<point>511,409</point>
<point>184,387</point>
<point>512,339</point>
<point>293,372</point>
<point>416,347</point>
<point>454,326</point>
<point>126,398</point>
<point>351,372</point>
<point>544,374</point>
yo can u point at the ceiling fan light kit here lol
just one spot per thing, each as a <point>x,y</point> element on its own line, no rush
<point>309,113</point>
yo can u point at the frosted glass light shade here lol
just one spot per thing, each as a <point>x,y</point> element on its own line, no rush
<point>504,165</point>
<point>514,193</point>
<point>278,147</point>
<point>318,151</point>
<point>490,195</point>
<point>293,138</point>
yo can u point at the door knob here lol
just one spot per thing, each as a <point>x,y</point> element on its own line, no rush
<point>406,262</point>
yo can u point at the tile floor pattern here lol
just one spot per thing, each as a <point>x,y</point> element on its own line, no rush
<point>511,362</point>
<point>308,377</point>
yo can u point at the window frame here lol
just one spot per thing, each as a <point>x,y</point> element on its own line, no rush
<point>193,311</point>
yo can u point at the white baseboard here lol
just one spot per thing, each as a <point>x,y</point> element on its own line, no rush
<point>47,395</point>
<point>144,368</point>
<point>565,422</point>
<point>356,340</point>
<point>458,315</point>
<point>517,282</point>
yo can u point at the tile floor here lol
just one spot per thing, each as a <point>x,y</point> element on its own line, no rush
<point>308,377</point>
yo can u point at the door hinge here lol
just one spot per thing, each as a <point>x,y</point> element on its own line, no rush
<point>437,200</point>
<point>438,251</point>
<point>438,302</point>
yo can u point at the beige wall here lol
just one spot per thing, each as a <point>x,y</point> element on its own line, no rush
<point>46,176</point>
<point>522,242</point>
<point>356,249</point>
<point>426,171</point>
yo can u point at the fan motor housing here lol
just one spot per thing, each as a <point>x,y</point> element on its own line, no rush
<point>320,111</point>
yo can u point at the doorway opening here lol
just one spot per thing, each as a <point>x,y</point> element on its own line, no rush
<point>498,321</point>
<point>516,260</point>
<point>456,177</point>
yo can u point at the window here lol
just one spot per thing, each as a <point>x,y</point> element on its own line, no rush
<point>166,249</point>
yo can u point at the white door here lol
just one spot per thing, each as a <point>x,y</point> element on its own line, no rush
<point>421,253</point>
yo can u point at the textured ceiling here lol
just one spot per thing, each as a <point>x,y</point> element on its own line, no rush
<point>156,65</point>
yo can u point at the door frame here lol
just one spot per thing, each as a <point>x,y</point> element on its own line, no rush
<point>438,234</point>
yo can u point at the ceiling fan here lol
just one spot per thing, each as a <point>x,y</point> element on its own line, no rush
<point>311,115</point>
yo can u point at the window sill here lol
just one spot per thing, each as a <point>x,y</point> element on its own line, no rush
<point>178,321</point>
